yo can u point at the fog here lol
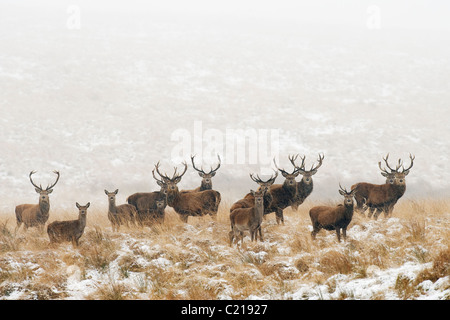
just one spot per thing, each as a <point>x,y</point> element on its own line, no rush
<point>100,90</point>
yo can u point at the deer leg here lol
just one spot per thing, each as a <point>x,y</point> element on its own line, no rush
<point>279,216</point>
<point>314,232</point>
<point>377,213</point>
<point>344,233</point>
<point>260,234</point>
<point>371,210</point>
<point>338,233</point>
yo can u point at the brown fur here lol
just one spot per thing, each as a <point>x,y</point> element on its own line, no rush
<point>333,218</point>
<point>35,215</point>
<point>124,214</point>
<point>243,219</point>
<point>59,231</point>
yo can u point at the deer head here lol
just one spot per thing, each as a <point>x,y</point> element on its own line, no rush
<point>83,209</point>
<point>206,176</point>
<point>399,176</point>
<point>264,186</point>
<point>290,177</point>
<point>307,174</point>
<point>348,196</point>
<point>171,183</point>
<point>111,195</point>
<point>43,193</point>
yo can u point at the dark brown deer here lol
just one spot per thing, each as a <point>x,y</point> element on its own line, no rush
<point>190,203</point>
<point>249,200</point>
<point>206,183</point>
<point>363,189</point>
<point>146,202</point>
<point>124,214</point>
<point>305,186</point>
<point>248,219</point>
<point>36,215</point>
<point>71,231</point>
<point>283,194</point>
<point>333,218</point>
<point>384,199</point>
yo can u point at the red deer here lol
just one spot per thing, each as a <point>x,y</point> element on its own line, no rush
<point>146,203</point>
<point>384,199</point>
<point>249,200</point>
<point>333,218</point>
<point>36,215</point>
<point>363,189</point>
<point>305,186</point>
<point>123,214</point>
<point>243,219</point>
<point>59,231</point>
<point>190,203</point>
<point>206,183</point>
<point>282,194</point>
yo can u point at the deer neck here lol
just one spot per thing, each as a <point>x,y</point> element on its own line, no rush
<point>173,197</point>
<point>348,210</point>
<point>259,210</point>
<point>205,186</point>
<point>290,189</point>
<point>44,207</point>
<point>112,206</point>
<point>82,221</point>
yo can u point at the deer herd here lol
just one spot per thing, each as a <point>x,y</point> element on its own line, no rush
<point>246,214</point>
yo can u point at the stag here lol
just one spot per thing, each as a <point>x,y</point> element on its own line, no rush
<point>363,189</point>
<point>188,204</point>
<point>384,199</point>
<point>333,218</point>
<point>146,203</point>
<point>123,214</point>
<point>243,219</point>
<point>59,231</point>
<point>36,215</point>
<point>249,200</point>
<point>304,186</point>
<point>283,194</point>
<point>206,183</point>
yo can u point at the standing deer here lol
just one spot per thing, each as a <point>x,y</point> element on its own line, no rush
<point>384,199</point>
<point>304,186</point>
<point>206,183</point>
<point>249,200</point>
<point>36,215</point>
<point>146,202</point>
<point>59,231</point>
<point>190,203</point>
<point>333,218</point>
<point>283,194</point>
<point>243,219</point>
<point>119,215</point>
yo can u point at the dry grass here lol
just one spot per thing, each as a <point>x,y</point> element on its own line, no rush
<point>194,260</point>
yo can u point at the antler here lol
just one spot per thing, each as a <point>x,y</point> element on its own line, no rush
<point>412,157</point>
<point>399,164</point>
<point>163,176</point>
<point>57,179</point>
<point>201,170</point>
<point>31,180</point>
<point>343,189</point>
<point>178,176</point>
<point>260,181</point>
<point>296,169</point>
<point>320,160</point>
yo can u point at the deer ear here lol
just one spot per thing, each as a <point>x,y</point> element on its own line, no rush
<point>106,192</point>
<point>78,205</point>
<point>342,192</point>
<point>253,192</point>
<point>159,183</point>
<point>37,190</point>
<point>384,174</point>
<point>213,174</point>
<point>406,172</point>
<point>88,204</point>
<point>117,190</point>
<point>201,174</point>
<point>49,191</point>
